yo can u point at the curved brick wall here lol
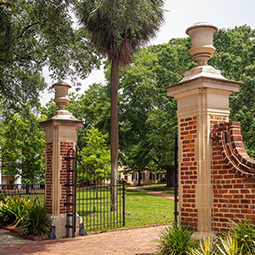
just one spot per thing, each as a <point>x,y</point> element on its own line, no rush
<point>232,177</point>
<point>232,148</point>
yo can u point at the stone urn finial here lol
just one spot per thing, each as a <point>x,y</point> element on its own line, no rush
<point>201,42</point>
<point>61,99</point>
<point>61,94</point>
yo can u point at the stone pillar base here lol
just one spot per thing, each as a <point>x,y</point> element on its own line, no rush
<point>203,235</point>
<point>59,223</point>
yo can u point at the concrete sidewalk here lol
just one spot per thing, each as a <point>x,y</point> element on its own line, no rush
<point>136,241</point>
<point>8,238</point>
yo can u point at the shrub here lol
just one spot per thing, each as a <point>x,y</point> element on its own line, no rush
<point>36,222</point>
<point>176,241</point>
<point>206,247</point>
<point>12,209</point>
<point>228,246</point>
<point>244,233</point>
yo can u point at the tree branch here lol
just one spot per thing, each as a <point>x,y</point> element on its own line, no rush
<point>26,28</point>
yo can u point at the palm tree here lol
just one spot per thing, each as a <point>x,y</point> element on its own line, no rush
<point>118,28</point>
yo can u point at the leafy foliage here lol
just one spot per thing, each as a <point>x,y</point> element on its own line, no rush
<point>23,147</point>
<point>36,34</point>
<point>147,116</point>
<point>235,57</point>
<point>175,241</point>
<point>36,222</point>
<point>95,157</point>
<point>239,239</point>
<point>12,210</point>
<point>206,247</point>
<point>118,28</point>
<point>228,246</point>
<point>244,234</point>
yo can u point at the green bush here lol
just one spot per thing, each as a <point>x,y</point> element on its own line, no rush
<point>36,222</point>
<point>225,245</point>
<point>176,241</point>
<point>206,247</point>
<point>244,233</point>
<point>228,246</point>
<point>239,240</point>
<point>13,209</point>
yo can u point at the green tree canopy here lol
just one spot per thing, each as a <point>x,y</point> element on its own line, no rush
<point>235,57</point>
<point>35,34</point>
<point>95,157</point>
<point>147,117</point>
<point>118,29</point>
<point>23,148</point>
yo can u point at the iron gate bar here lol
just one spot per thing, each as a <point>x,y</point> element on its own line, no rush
<point>123,205</point>
<point>94,207</point>
<point>71,184</point>
<point>176,213</point>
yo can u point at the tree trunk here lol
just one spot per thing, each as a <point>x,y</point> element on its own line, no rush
<point>139,178</point>
<point>114,131</point>
<point>169,176</point>
<point>27,188</point>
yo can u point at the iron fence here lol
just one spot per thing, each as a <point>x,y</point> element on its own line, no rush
<point>34,191</point>
<point>94,205</point>
<point>90,196</point>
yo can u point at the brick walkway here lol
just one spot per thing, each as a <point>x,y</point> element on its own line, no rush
<point>133,241</point>
<point>137,241</point>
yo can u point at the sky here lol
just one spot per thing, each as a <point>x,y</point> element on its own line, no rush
<point>181,14</point>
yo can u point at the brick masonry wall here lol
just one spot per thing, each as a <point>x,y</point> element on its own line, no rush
<point>64,147</point>
<point>48,177</point>
<point>188,171</point>
<point>232,179</point>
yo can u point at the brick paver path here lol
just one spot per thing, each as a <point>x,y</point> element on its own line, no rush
<point>133,241</point>
<point>138,241</point>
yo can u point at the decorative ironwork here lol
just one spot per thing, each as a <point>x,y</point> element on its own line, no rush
<point>32,191</point>
<point>91,198</point>
<point>176,213</point>
<point>71,193</point>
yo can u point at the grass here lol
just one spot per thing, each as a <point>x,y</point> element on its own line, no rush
<point>158,187</point>
<point>146,209</point>
<point>140,208</point>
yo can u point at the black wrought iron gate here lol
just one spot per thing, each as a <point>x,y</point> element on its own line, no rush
<point>89,196</point>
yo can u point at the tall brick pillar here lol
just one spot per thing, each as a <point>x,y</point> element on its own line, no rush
<point>61,135</point>
<point>203,100</point>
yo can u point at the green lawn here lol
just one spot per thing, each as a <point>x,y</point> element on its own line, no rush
<point>146,209</point>
<point>140,208</point>
<point>158,187</point>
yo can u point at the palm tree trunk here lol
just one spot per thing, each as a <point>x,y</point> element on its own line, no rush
<point>114,131</point>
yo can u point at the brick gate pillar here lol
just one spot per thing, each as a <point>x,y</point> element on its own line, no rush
<point>203,100</point>
<point>61,135</point>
